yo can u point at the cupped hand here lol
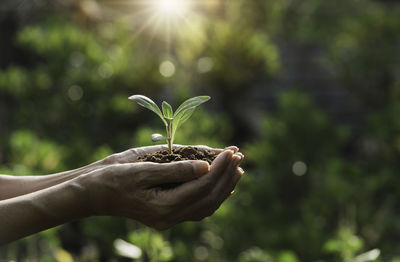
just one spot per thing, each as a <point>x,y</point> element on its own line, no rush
<point>134,190</point>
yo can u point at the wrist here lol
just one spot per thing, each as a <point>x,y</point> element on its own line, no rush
<point>95,190</point>
<point>78,193</point>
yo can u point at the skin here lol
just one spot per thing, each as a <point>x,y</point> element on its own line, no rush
<point>119,186</point>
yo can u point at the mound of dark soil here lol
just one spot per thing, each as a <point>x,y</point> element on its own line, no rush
<point>179,154</point>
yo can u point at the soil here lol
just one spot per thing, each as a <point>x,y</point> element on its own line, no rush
<point>179,154</point>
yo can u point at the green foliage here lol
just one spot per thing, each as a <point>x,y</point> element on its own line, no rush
<point>153,245</point>
<point>31,153</point>
<point>172,120</point>
<point>345,243</point>
<point>255,255</point>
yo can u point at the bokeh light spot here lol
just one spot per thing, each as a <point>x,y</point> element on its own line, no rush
<point>299,168</point>
<point>167,68</point>
<point>75,93</point>
<point>105,70</point>
<point>201,253</point>
<point>205,64</point>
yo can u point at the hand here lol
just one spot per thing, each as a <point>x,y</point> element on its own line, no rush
<point>133,189</point>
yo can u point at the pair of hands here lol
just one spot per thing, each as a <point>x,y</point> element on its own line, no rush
<point>120,186</point>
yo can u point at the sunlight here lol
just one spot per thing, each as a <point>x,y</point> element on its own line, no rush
<point>171,7</point>
<point>159,20</point>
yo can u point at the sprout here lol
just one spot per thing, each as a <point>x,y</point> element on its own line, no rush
<point>172,120</point>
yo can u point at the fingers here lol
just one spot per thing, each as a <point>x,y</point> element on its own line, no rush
<point>196,189</point>
<point>185,198</point>
<point>220,163</point>
<point>221,190</point>
<point>228,183</point>
<point>229,178</point>
<point>189,200</point>
<point>235,149</point>
<point>154,174</point>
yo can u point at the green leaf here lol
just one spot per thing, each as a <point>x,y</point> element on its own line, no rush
<point>167,110</point>
<point>185,115</point>
<point>179,119</point>
<point>157,137</point>
<point>149,104</point>
<point>191,102</point>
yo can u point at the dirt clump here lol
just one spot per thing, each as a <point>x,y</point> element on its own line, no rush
<point>179,154</point>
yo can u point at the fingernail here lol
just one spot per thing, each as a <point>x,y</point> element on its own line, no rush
<point>201,167</point>
<point>241,171</point>
<point>229,154</point>
<point>233,148</point>
<point>237,159</point>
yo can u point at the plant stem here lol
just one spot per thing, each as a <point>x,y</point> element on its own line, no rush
<point>169,138</point>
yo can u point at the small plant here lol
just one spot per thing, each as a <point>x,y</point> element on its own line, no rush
<point>172,120</point>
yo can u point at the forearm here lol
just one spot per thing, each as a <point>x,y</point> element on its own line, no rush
<point>13,186</point>
<point>27,214</point>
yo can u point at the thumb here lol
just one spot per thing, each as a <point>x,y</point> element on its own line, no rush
<point>176,172</point>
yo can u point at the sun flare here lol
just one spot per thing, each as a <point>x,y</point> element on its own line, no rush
<point>164,20</point>
<point>171,7</point>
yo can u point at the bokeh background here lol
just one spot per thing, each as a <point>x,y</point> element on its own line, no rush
<point>308,89</point>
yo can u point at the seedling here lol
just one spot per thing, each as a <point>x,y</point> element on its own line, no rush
<point>172,120</point>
